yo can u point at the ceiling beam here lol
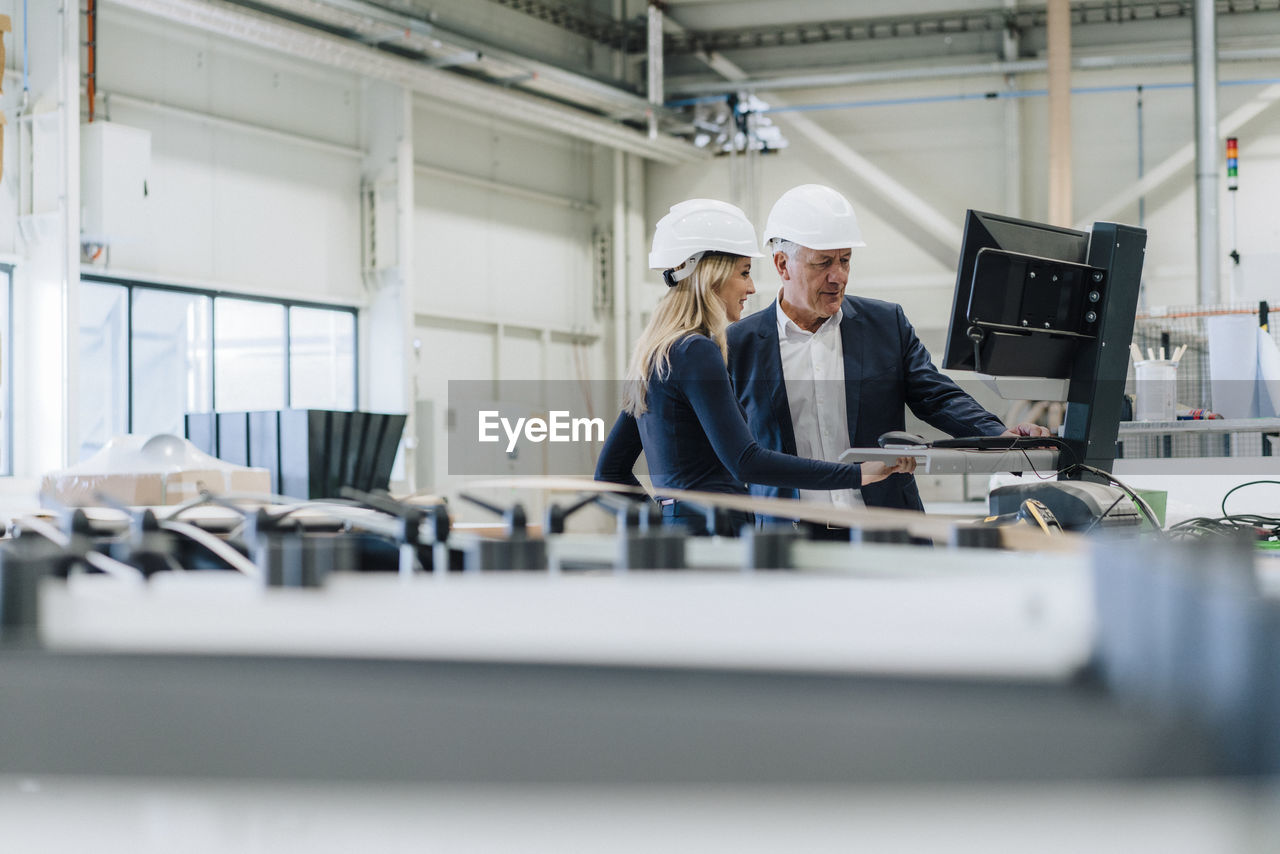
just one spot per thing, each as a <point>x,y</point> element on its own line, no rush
<point>683,86</point>
<point>273,34</point>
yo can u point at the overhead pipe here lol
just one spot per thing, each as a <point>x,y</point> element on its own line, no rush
<point>976,69</point>
<point>1059,30</point>
<point>1204,38</point>
<point>655,66</point>
<point>91,45</point>
<point>1012,118</point>
<point>375,24</point>
<point>994,95</point>
<point>289,39</point>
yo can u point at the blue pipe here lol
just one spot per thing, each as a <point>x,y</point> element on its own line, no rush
<point>974,96</point>
<point>1014,93</point>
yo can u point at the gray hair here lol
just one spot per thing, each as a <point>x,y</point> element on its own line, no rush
<point>786,247</point>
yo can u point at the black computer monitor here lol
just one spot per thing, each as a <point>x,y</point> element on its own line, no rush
<point>1024,298</point>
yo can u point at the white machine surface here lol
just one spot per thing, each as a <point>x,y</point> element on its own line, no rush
<point>269,817</point>
<point>1000,616</point>
<point>955,461</point>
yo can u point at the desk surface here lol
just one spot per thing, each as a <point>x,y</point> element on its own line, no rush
<point>1208,425</point>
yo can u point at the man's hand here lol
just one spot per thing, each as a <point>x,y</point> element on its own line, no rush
<point>874,472</point>
<point>1026,428</point>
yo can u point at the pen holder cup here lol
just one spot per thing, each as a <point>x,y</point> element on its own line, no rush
<point>1157,385</point>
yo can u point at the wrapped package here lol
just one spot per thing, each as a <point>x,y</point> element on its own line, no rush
<point>150,470</point>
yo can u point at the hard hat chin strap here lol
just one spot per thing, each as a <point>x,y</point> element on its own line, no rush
<point>676,275</point>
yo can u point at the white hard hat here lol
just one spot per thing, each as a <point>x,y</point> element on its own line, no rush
<point>815,216</point>
<point>697,226</point>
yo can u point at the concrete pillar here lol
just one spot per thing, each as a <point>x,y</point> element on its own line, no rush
<point>1060,112</point>
<point>1205,53</point>
<point>45,284</point>
<point>388,360</point>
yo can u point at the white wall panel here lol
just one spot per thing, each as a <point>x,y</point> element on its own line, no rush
<point>507,152</point>
<point>520,354</point>
<point>149,58</point>
<point>504,237</point>
<point>577,363</point>
<point>497,254</point>
<point>228,206</point>
<point>447,351</point>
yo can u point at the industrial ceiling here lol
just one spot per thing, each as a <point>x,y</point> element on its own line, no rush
<point>581,67</point>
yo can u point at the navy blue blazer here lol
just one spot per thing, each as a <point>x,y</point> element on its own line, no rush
<point>886,369</point>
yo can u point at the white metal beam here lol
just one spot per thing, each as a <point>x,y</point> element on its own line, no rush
<point>1177,165</point>
<point>898,74</point>
<point>909,214</point>
<point>271,33</point>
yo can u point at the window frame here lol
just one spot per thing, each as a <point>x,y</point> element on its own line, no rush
<point>6,370</point>
<point>132,285</point>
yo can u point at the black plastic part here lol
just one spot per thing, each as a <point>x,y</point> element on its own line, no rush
<point>308,453</point>
<point>969,537</point>
<point>149,551</point>
<point>996,443</point>
<point>23,564</point>
<point>659,548</point>
<point>438,516</point>
<point>554,519</point>
<point>482,504</point>
<point>556,516</point>
<point>516,520</point>
<point>294,559</point>
<point>769,548</point>
<point>512,553</point>
<point>896,536</point>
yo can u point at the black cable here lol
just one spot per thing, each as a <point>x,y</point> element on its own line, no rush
<point>1029,443</point>
<point>1229,525</point>
<point>1137,499</point>
<point>1202,526</point>
<point>1095,522</point>
<point>1242,486</point>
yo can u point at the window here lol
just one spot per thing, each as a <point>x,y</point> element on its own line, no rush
<point>104,355</point>
<point>322,368</point>
<point>172,348</point>
<point>248,355</point>
<point>149,354</point>
<point>6,372</point>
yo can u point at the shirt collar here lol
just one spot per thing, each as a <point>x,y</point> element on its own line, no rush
<point>788,327</point>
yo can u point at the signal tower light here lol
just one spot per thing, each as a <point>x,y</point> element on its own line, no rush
<point>1233,161</point>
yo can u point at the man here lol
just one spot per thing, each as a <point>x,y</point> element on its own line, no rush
<point>819,372</point>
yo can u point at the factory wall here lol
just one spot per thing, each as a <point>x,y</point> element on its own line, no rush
<point>514,272</point>
<point>958,154</point>
<point>254,185</point>
<point>228,206</point>
<point>509,226</point>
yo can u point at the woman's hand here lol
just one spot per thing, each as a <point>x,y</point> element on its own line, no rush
<point>874,472</point>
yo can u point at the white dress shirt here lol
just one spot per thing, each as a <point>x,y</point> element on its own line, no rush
<point>813,370</point>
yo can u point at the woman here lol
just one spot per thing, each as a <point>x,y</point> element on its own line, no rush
<point>678,403</point>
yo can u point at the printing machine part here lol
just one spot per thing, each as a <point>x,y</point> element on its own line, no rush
<point>1078,505</point>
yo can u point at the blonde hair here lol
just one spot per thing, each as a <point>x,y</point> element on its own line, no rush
<point>692,307</point>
